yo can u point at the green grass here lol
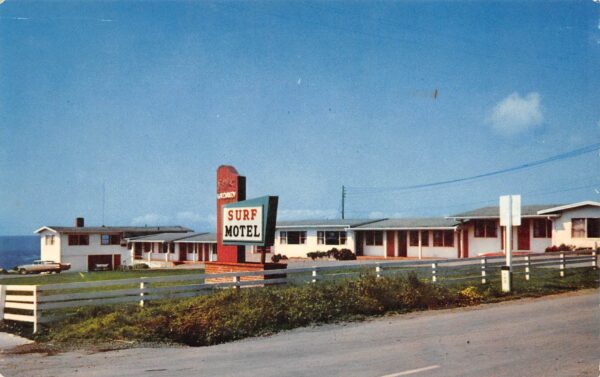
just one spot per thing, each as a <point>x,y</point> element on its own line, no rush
<point>80,277</point>
<point>235,314</point>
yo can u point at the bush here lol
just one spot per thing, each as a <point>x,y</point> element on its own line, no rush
<point>562,247</point>
<point>344,254</point>
<point>277,257</point>
<point>317,254</point>
<point>140,266</point>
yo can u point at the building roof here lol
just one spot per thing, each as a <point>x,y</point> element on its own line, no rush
<point>200,238</point>
<point>122,229</point>
<point>410,223</point>
<point>566,207</point>
<point>494,212</point>
<point>331,223</point>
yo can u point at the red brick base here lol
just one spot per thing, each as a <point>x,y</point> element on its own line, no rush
<point>222,267</point>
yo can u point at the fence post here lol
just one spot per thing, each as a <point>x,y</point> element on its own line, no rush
<point>433,272</point>
<point>142,293</point>
<point>314,275</point>
<point>36,313</point>
<point>562,265</point>
<point>2,300</point>
<point>236,282</point>
<point>527,266</point>
<point>483,271</point>
<point>594,261</point>
<point>378,270</point>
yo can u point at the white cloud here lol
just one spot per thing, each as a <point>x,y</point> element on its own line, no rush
<point>151,219</point>
<point>299,214</point>
<point>516,114</point>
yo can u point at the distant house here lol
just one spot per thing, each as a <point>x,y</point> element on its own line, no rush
<point>90,248</point>
<point>168,249</point>
<point>576,224</point>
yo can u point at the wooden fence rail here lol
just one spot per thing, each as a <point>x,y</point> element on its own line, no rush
<point>39,304</point>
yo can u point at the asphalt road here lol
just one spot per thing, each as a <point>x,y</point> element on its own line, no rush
<point>552,336</point>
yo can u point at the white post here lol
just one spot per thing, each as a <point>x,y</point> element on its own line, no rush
<point>142,293</point>
<point>378,270</point>
<point>527,267</point>
<point>314,275</point>
<point>2,300</point>
<point>36,313</point>
<point>594,263</point>
<point>483,272</point>
<point>236,281</point>
<point>433,272</point>
<point>562,265</point>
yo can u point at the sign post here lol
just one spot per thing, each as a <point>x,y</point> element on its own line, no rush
<point>510,215</point>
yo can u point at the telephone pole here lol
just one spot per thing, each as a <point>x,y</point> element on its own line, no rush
<point>343,200</point>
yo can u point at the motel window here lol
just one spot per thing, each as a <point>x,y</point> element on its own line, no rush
<point>486,229</point>
<point>578,228</point>
<point>593,228</point>
<point>147,247</point>
<point>49,240</point>
<point>331,238</point>
<point>424,238</point>
<point>443,238</point>
<point>259,249</point>
<point>414,238</point>
<point>585,228</point>
<point>79,239</point>
<point>542,228</point>
<point>374,238</point>
<point>110,239</point>
<point>183,248</point>
<point>292,238</point>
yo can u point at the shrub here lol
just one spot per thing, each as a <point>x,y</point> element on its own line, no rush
<point>140,266</point>
<point>277,257</point>
<point>343,254</point>
<point>317,254</point>
<point>562,247</point>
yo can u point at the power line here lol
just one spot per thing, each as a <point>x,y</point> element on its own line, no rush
<point>528,165</point>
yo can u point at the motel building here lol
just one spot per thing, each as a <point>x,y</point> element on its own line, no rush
<point>469,234</point>
<point>93,248</point>
<point>170,249</point>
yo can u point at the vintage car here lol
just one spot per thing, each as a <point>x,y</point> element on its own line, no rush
<point>40,266</point>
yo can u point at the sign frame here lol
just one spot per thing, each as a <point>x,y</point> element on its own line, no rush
<point>269,220</point>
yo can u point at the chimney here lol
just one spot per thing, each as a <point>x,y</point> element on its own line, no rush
<point>79,222</point>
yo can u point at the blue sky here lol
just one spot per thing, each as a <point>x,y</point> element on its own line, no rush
<point>149,98</point>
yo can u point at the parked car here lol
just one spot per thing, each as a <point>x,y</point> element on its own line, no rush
<point>40,266</point>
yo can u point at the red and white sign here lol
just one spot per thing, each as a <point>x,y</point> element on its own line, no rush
<point>243,224</point>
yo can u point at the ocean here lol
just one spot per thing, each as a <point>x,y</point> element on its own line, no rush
<point>15,250</point>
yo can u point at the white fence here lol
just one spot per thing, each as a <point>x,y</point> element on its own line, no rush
<point>39,304</point>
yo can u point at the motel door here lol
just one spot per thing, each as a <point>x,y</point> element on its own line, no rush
<point>402,248</point>
<point>390,243</point>
<point>523,235</point>
<point>465,239</point>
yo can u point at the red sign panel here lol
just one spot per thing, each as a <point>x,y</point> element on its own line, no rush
<point>231,188</point>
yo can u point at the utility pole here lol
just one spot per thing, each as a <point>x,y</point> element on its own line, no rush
<point>343,200</point>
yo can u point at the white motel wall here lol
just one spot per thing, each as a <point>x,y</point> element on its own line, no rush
<point>576,224</point>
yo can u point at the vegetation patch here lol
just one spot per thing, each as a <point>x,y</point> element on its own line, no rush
<point>233,314</point>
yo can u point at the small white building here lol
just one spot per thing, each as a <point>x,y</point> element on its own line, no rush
<point>576,224</point>
<point>91,248</point>
<point>169,249</point>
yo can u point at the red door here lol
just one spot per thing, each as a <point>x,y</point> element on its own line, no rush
<point>402,248</point>
<point>390,244</point>
<point>117,263</point>
<point>523,235</point>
